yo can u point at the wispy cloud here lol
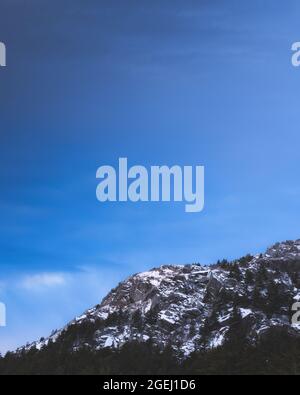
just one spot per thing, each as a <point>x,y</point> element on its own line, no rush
<point>43,280</point>
<point>38,302</point>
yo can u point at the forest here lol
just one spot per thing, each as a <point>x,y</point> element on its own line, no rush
<point>276,354</point>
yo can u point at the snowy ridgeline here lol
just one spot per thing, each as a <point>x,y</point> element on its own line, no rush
<point>192,307</point>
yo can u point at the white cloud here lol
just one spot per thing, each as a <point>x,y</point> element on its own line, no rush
<point>38,302</point>
<point>43,280</point>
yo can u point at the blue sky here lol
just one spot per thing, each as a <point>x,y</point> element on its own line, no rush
<point>160,82</point>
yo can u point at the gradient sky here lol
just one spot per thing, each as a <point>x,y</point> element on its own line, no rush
<point>160,82</point>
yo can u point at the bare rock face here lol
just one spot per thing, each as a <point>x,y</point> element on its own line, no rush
<point>192,307</point>
<point>284,251</point>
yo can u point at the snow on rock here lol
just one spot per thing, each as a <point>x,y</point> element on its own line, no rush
<point>109,342</point>
<point>171,305</point>
<point>219,338</point>
<point>245,312</point>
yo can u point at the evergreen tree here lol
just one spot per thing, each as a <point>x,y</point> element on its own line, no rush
<point>137,320</point>
<point>276,300</point>
<point>224,264</point>
<point>211,324</point>
<point>245,260</point>
<point>235,272</point>
<point>151,317</point>
<point>249,278</point>
<point>257,299</point>
<point>261,276</point>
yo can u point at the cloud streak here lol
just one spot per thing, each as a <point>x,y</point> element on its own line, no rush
<point>38,302</point>
<point>43,280</point>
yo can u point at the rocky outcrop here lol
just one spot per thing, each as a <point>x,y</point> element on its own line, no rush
<point>192,307</point>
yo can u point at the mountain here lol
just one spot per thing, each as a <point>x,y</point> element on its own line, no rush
<point>191,308</point>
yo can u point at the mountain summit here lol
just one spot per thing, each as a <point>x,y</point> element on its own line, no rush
<point>192,307</point>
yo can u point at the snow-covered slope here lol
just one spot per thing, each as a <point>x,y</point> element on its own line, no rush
<point>192,307</point>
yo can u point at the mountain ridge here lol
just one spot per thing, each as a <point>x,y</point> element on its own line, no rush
<point>192,307</point>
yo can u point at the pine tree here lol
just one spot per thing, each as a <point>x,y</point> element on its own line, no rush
<point>261,276</point>
<point>211,324</point>
<point>257,298</point>
<point>224,264</point>
<point>137,320</point>
<point>236,335</point>
<point>152,317</point>
<point>235,272</point>
<point>249,279</point>
<point>245,260</point>
<point>275,299</point>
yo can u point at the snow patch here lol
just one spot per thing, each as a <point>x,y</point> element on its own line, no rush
<point>246,312</point>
